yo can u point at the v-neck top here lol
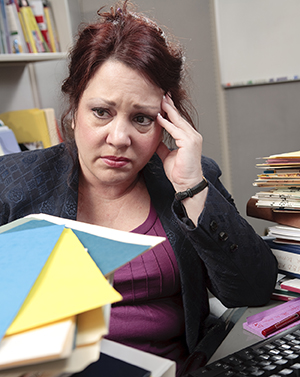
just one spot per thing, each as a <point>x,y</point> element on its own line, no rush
<point>150,316</point>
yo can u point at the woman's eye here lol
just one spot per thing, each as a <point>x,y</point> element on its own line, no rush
<point>143,120</point>
<point>100,112</point>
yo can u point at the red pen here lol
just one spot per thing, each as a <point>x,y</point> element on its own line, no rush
<point>283,323</point>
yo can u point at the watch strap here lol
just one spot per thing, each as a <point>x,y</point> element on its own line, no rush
<point>190,192</point>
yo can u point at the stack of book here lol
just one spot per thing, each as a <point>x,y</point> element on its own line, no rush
<point>279,202</point>
<point>27,26</point>
<point>55,291</point>
<point>280,199</point>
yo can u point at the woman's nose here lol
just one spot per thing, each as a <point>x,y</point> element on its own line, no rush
<point>119,133</point>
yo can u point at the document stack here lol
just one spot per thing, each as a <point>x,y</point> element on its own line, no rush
<point>281,175</point>
<point>279,202</point>
<point>55,292</point>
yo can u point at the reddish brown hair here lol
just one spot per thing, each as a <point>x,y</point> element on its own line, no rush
<point>134,40</point>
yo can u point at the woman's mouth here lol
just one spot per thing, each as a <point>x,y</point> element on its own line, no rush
<point>115,162</point>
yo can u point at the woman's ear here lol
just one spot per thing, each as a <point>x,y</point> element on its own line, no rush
<point>73,125</point>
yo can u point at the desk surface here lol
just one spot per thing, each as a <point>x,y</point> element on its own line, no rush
<point>238,338</point>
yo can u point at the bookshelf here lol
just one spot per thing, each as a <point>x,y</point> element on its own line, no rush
<point>61,10</point>
<point>31,58</point>
<point>24,76</point>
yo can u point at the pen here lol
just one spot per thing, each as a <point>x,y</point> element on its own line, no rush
<point>283,323</point>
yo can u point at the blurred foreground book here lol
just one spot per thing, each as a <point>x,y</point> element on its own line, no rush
<point>55,297</point>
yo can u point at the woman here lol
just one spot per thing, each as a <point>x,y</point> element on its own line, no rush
<point>125,91</point>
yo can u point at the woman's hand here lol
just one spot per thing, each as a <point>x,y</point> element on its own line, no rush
<point>183,165</point>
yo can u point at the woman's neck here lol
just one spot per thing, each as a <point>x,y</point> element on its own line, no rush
<point>123,208</point>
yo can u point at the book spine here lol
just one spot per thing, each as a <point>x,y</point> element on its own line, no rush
<point>51,26</point>
<point>288,262</point>
<point>17,40</point>
<point>284,218</point>
<point>38,11</point>
<point>5,27</point>
<point>40,43</point>
<point>28,30</point>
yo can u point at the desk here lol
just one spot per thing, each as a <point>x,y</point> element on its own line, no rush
<point>238,338</point>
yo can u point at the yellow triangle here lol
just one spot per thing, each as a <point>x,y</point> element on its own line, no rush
<point>70,283</point>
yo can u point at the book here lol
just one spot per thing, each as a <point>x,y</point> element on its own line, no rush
<point>44,282</point>
<point>290,218</point>
<point>292,285</point>
<point>281,201</point>
<point>17,40</point>
<point>287,255</point>
<point>27,27</point>
<point>51,342</point>
<point>60,290</point>
<point>5,28</point>
<point>82,354</point>
<point>35,37</point>
<point>38,11</point>
<point>138,361</point>
<point>29,126</point>
<point>51,26</point>
<point>280,293</point>
<point>52,126</point>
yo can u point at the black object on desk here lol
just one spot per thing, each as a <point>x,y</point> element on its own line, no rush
<point>108,366</point>
<point>276,356</point>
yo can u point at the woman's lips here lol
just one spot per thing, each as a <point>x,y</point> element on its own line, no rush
<point>115,162</point>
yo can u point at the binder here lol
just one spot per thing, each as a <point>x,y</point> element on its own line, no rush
<point>29,126</point>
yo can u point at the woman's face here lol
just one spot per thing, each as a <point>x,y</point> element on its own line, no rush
<point>115,128</point>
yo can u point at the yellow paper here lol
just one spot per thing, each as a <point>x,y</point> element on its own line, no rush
<point>295,154</point>
<point>28,125</point>
<point>70,283</point>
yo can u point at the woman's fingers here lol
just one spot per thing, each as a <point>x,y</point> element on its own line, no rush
<point>162,151</point>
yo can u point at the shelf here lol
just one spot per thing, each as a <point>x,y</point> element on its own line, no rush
<point>31,58</point>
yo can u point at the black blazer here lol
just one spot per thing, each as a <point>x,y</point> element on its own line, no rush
<point>222,252</point>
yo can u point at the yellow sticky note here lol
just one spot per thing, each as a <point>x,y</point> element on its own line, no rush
<point>70,283</point>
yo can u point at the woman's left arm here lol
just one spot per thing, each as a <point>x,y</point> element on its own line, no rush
<point>240,266</point>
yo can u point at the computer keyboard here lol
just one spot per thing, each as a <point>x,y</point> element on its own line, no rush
<point>276,356</point>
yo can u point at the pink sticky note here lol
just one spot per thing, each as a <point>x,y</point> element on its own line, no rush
<point>260,321</point>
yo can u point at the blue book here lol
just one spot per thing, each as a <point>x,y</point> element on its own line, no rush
<point>109,248</point>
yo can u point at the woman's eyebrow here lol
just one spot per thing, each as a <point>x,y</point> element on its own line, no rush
<point>107,102</point>
<point>147,107</point>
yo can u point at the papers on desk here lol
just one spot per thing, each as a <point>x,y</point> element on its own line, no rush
<point>281,175</point>
<point>261,321</point>
<point>50,284</point>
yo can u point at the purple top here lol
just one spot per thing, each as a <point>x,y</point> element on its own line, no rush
<point>150,317</point>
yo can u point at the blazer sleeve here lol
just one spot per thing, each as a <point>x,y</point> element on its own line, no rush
<point>241,269</point>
